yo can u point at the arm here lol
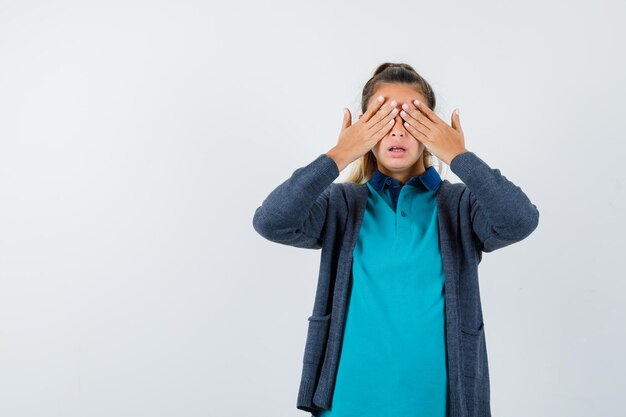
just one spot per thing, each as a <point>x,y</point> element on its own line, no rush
<point>501,214</point>
<point>294,213</point>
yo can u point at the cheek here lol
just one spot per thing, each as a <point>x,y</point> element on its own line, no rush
<point>377,148</point>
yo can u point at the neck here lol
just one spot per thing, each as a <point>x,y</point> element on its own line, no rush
<point>405,174</point>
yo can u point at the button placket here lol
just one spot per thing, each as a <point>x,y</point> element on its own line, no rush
<point>401,213</point>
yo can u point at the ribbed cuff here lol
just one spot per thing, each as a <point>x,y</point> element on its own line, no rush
<point>305,394</point>
<point>464,164</point>
<point>328,165</point>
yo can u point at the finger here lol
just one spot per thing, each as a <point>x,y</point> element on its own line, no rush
<point>347,118</point>
<point>456,121</point>
<point>416,133</point>
<point>372,109</point>
<point>385,120</point>
<point>415,117</point>
<point>382,128</point>
<point>388,111</point>
<point>427,111</point>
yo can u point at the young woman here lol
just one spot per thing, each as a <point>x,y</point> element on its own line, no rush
<point>397,326</point>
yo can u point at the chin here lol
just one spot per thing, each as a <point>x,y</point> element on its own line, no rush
<point>407,160</point>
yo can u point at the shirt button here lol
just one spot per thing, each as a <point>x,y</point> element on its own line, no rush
<point>403,214</point>
<point>388,181</point>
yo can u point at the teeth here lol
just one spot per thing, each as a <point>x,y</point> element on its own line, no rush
<point>394,148</point>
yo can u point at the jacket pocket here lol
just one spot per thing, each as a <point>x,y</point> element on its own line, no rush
<point>472,350</point>
<point>316,339</point>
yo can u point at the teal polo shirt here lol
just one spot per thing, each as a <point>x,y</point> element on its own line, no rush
<point>393,355</point>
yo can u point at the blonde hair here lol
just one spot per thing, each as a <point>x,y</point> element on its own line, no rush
<point>364,167</point>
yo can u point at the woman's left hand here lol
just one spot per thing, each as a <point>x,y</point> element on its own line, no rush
<point>438,137</point>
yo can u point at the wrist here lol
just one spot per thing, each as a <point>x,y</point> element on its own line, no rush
<point>339,157</point>
<point>457,153</point>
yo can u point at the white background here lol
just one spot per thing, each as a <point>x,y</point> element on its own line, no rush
<point>137,139</point>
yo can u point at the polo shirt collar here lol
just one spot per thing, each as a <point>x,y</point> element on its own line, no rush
<point>430,179</point>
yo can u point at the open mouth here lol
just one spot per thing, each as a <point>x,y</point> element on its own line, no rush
<point>396,149</point>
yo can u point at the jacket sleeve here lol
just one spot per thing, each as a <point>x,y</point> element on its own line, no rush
<point>294,213</point>
<point>501,214</point>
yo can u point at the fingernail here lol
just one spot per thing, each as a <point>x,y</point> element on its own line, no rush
<point>381,98</point>
<point>417,102</point>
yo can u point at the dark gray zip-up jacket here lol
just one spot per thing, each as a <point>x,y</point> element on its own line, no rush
<point>484,213</point>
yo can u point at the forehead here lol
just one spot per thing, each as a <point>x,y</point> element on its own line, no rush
<point>402,93</point>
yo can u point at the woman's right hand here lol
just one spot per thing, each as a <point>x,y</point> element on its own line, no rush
<point>357,139</point>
